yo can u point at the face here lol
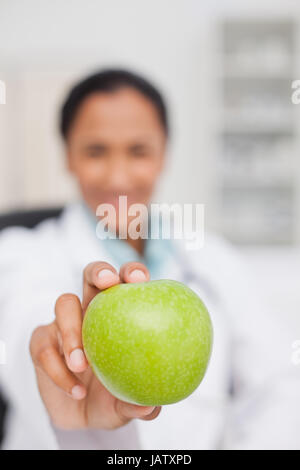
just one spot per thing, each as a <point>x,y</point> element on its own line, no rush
<point>115,147</point>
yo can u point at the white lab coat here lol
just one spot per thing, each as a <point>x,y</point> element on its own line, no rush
<point>249,353</point>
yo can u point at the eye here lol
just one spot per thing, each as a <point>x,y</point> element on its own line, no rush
<point>139,150</point>
<point>96,151</point>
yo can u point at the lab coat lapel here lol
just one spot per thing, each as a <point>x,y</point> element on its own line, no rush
<point>81,243</point>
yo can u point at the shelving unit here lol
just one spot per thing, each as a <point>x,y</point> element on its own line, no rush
<point>258,132</point>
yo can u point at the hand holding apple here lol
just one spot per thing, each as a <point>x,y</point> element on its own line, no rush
<point>72,394</point>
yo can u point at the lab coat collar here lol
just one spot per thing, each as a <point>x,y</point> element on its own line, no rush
<point>78,227</point>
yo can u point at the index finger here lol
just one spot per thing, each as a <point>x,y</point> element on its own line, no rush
<point>97,276</point>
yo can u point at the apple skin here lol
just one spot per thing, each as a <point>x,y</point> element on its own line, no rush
<point>148,343</point>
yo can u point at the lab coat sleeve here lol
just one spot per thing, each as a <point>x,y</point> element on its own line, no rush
<point>31,281</point>
<point>27,295</point>
<point>264,410</point>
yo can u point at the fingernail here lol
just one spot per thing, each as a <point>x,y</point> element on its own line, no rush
<point>106,275</point>
<point>77,357</point>
<point>137,276</point>
<point>78,392</point>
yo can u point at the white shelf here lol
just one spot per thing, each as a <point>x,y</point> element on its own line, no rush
<point>258,130</point>
<point>259,121</point>
<point>245,66</point>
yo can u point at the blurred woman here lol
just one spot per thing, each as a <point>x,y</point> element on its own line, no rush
<point>115,127</point>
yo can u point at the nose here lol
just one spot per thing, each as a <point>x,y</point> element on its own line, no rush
<point>118,174</point>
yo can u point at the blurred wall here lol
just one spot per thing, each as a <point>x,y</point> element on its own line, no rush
<point>45,46</point>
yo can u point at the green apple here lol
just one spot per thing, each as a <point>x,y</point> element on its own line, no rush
<point>148,343</point>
